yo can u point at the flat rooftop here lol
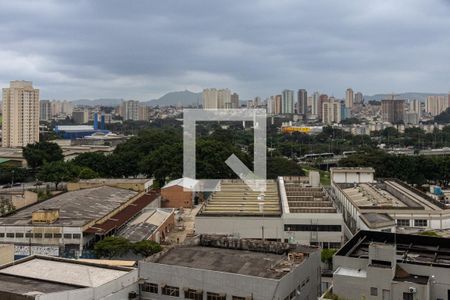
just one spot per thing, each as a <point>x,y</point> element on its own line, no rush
<point>76,208</point>
<point>235,198</point>
<point>389,194</point>
<point>302,199</point>
<point>63,273</point>
<point>28,287</point>
<point>413,249</point>
<point>259,264</point>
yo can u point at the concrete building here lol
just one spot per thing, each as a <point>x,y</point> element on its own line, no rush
<point>46,113</point>
<point>134,184</point>
<point>216,99</point>
<point>49,278</point>
<point>278,104</point>
<point>384,205</point>
<point>380,265</point>
<point>80,116</point>
<point>359,98</point>
<point>65,224</point>
<point>287,106</point>
<point>20,119</point>
<point>322,99</point>
<point>131,110</point>
<point>393,111</point>
<point>290,210</point>
<point>302,101</point>
<point>331,112</point>
<point>315,104</point>
<point>179,193</point>
<point>349,98</point>
<point>225,268</point>
<point>434,105</point>
<point>61,107</point>
<point>151,224</point>
<point>235,100</point>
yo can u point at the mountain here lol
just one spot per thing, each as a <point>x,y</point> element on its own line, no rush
<point>95,102</point>
<point>408,96</point>
<point>182,98</point>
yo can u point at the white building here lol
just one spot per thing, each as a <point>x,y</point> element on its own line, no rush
<point>331,112</point>
<point>436,104</point>
<point>380,265</point>
<point>349,98</point>
<point>287,104</point>
<point>20,120</point>
<point>225,268</point>
<point>218,99</point>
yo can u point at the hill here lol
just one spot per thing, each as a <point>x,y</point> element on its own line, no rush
<point>181,98</point>
<point>408,96</point>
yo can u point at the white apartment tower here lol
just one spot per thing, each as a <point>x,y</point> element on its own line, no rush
<point>315,103</point>
<point>20,125</point>
<point>218,99</point>
<point>436,104</point>
<point>46,112</point>
<point>349,97</point>
<point>129,110</point>
<point>331,111</point>
<point>287,106</point>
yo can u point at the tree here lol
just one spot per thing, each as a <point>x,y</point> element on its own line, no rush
<point>146,248</point>
<point>97,162</point>
<point>87,173</point>
<point>281,166</point>
<point>59,171</point>
<point>326,256</point>
<point>112,246</point>
<point>42,152</point>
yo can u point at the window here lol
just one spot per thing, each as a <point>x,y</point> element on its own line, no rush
<point>215,296</point>
<point>28,235</point>
<point>293,294</point>
<point>77,236</point>
<point>67,236</point>
<point>19,234</point>
<point>237,298</point>
<point>57,235</point>
<point>408,296</point>
<point>9,234</point>
<point>170,291</point>
<point>311,227</point>
<point>403,222</point>
<point>420,223</point>
<point>373,291</point>
<point>38,235</point>
<point>149,287</point>
<point>2,234</point>
<point>193,294</point>
<point>48,235</point>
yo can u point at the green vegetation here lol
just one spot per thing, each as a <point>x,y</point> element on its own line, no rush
<point>40,153</point>
<point>115,246</point>
<point>326,256</point>
<point>331,296</point>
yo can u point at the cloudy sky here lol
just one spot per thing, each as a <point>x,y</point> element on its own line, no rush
<point>142,49</point>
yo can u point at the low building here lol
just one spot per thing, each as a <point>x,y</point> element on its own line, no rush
<point>151,224</point>
<point>381,265</point>
<point>11,201</point>
<point>60,225</point>
<point>290,210</point>
<point>49,278</point>
<point>352,175</point>
<point>218,267</point>
<point>100,139</point>
<point>72,132</point>
<point>383,205</point>
<point>179,193</point>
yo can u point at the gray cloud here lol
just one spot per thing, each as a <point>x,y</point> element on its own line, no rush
<point>142,49</point>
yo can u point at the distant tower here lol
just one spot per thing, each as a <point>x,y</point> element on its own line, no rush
<point>349,98</point>
<point>302,102</point>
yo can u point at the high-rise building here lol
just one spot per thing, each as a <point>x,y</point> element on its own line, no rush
<point>331,111</point>
<point>436,104</point>
<point>20,124</point>
<point>129,110</point>
<point>80,116</point>
<point>61,107</point>
<point>414,106</point>
<point>393,111</point>
<point>359,98</point>
<point>302,102</point>
<point>315,104</point>
<point>216,99</point>
<point>349,98</point>
<point>45,110</point>
<point>322,99</point>
<point>143,113</point>
<point>278,104</point>
<point>234,100</point>
<point>287,106</point>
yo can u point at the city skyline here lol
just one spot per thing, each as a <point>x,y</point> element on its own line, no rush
<point>370,47</point>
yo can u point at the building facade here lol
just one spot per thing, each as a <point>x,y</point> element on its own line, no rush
<point>287,106</point>
<point>349,98</point>
<point>46,113</point>
<point>20,123</point>
<point>434,105</point>
<point>393,111</point>
<point>302,102</point>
